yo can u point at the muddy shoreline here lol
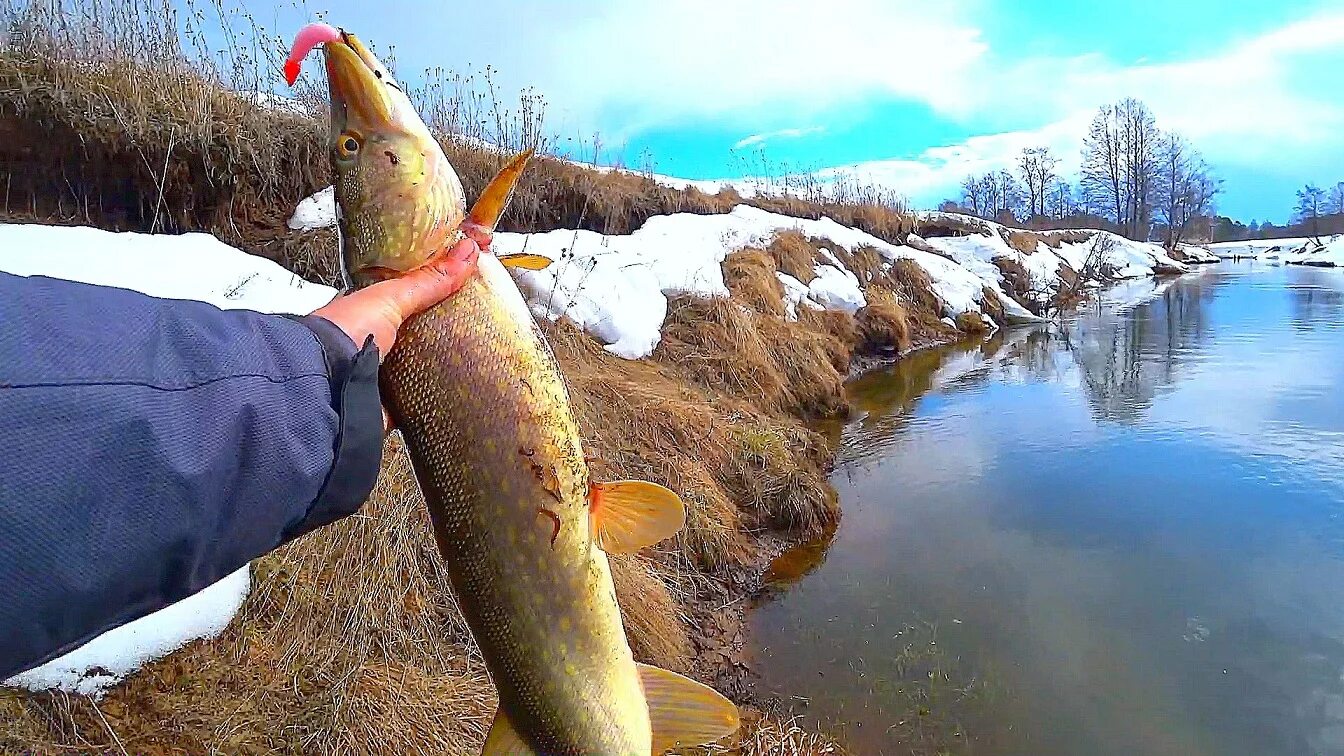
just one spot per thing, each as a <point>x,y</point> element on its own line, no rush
<point>720,621</point>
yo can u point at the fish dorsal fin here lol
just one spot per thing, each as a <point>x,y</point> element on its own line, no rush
<point>628,515</point>
<point>525,261</point>
<point>683,712</point>
<point>496,195</point>
<point>503,740</point>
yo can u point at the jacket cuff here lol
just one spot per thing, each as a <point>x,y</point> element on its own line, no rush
<point>359,434</point>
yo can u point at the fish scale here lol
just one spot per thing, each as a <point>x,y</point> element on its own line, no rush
<point>514,585</point>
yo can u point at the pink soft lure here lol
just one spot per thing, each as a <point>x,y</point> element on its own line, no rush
<point>308,37</point>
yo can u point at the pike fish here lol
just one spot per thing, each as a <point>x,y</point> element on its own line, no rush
<point>485,414</point>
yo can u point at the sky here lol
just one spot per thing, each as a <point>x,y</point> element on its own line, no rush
<point>912,95</point>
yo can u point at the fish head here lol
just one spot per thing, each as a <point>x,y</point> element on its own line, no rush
<point>398,199</point>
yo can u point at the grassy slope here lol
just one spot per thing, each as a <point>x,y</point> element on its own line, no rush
<point>349,642</point>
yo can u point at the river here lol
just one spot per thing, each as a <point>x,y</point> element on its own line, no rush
<point>1120,534</point>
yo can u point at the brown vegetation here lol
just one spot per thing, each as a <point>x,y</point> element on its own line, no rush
<point>795,254</point>
<point>123,130</point>
<point>349,642</point>
<point>884,324</point>
<point>924,309</point>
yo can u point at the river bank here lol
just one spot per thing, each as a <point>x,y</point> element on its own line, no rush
<point>701,334</point>
<point>1138,503</point>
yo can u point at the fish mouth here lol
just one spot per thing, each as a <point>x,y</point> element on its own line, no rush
<point>359,84</point>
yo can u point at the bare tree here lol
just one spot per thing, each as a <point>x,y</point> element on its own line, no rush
<point>973,196</point>
<point>1310,208</point>
<point>1184,188</point>
<point>1037,166</point>
<point>1060,202</point>
<point>1120,164</point>
<point>1336,202</point>
<point>1007,194</point>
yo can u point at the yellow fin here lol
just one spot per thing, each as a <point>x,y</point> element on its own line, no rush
<point>526,261</point>
<point>503,740</point>
<point>628,515</point>
<point>490,205</point>
<point>684,712</point>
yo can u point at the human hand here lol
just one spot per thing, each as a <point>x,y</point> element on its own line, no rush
<point>379,309</point>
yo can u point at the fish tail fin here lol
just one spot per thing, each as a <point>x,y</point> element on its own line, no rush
<point>628,515</point>
<point>683,712</point>
<point>504,740</point>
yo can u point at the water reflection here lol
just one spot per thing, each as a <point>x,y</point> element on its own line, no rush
<point>1122,534</point>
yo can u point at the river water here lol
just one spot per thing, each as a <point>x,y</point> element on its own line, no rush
<point>1122,534</point>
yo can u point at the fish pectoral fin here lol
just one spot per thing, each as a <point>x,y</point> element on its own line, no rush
<point>684,712</point>
<point>490,205</point>
<point>503,740</point>
<point>526,261</point>
<point>628,515</point>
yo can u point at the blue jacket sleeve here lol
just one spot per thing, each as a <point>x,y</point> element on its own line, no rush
<point>150,447</point>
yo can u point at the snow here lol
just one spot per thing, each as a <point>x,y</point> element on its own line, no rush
<point>104,661</point>
<point>977,252</point>
<point>616,287</point>
<point>835,288</point>
<point>1327,251</point>
<point>1198,254</point>
<point>1126,258</point>
<point>187,266</point>
<point>1256,247</point>
<point>317,211</point>
<point>272,101</point>
<point>795,293</point>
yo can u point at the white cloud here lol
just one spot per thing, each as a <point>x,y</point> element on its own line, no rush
<point>697,60</point>
<point>1267,102</point>
<point>760,139</point>
<point>936,173</point>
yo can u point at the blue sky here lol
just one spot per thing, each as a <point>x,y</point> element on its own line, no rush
<point>913,95</point>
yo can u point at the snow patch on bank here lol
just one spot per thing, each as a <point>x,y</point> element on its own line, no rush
<point>1326,252</point>
<point>186,266</point>
<point>106,660</point>
<point>616,287</point>
<point>987,243</point>
<point>317,211</point>
<point>170,266</point>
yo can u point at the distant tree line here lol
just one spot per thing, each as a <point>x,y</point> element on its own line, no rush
<point>1137,180</point>
<point>1318,211</point>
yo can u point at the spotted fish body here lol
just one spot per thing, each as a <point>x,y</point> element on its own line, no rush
<point>484,411</point>
<point>480,401</point>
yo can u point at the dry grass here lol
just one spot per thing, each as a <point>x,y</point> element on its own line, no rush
<point>884,324</point>
<point>736,465</point>
<point>795,368</point>
<point>769,734</point>
<point>750,275</point>
<point>795,255</point>
<point>1016,280</point>
<point>1026,242</point>
<point>971,322</point>
<point>924,310</point>
<point>866,262</point>
<point>109,118</point>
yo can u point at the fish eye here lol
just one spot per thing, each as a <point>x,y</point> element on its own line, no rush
<point>347,145</point>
